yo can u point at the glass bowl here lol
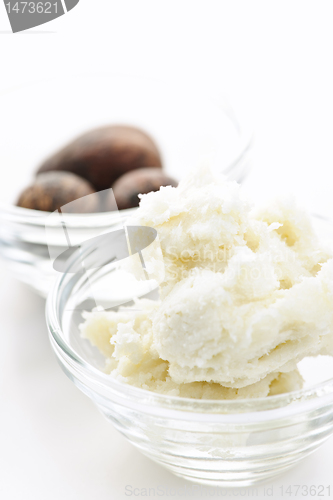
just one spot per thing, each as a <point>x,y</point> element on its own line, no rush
<point>37,119</point>
<point>227,443</point>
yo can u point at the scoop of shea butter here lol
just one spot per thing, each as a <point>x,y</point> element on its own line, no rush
<point>246,294</point>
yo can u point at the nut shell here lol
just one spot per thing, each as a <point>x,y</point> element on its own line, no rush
<point>102,155</point>
<point>53,190</point>
<point>141,181</point>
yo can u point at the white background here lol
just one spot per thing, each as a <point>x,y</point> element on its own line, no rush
<point>275,57</point>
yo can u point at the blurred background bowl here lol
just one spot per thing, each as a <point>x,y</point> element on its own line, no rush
<point>189,127</point>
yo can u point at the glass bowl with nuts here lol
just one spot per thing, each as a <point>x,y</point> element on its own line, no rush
<point>67,139</point>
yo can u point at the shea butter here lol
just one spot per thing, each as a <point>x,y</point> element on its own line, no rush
<point>246,294</point>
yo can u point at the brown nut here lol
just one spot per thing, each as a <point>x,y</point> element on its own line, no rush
<point>104,154</point>
<point>52,190</point>
<point>141,181</point>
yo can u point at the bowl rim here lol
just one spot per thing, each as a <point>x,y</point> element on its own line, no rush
<point>27,216</point>
<point>12,213</point>
<point>284,404</point>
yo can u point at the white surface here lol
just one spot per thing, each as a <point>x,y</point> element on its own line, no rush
<point>275,57</point>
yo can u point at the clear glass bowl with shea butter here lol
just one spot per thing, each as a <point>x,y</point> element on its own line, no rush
<point>228,443</point>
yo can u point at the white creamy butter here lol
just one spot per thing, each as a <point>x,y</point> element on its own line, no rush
<point>245,296</point>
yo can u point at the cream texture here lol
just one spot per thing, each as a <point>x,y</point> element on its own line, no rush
<point>246,294</point>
